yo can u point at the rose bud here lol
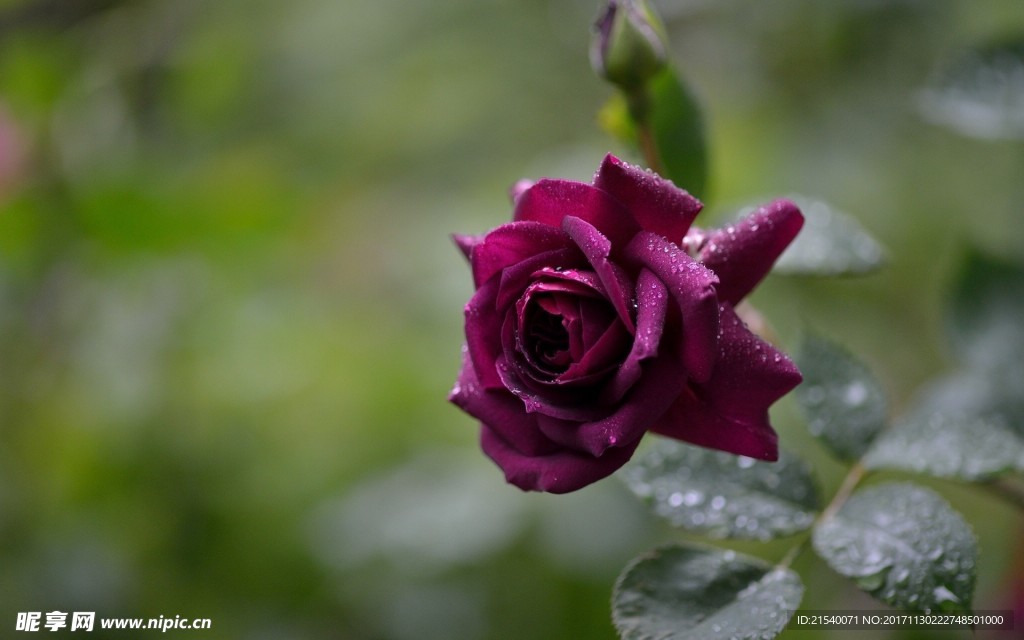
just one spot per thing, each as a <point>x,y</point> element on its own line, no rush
<point>600,315</point>
<point>629,45</point>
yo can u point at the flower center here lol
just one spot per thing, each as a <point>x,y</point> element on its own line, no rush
<point>548,341</point>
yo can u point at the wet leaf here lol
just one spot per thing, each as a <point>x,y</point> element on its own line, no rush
<point>949,445</point>
<point>980,93</point>
<point>678,131</point>
<point>842,400</point>
<point>963,426</point>
<point>723,495</point>
<point>690,593</point>
<point>831,243</point>
<point>904,545</point>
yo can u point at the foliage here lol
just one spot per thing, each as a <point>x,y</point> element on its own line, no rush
<point>899,542</point>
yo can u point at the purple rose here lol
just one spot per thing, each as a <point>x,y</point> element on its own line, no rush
<point>599,315</point>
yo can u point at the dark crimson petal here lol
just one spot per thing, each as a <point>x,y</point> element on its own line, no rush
<point>512,243</point>
<point>561,299</point>
<point>550,201</point>
<point>652,307</point>
<point>693,421</point>
<point>483,331</point>
<point>582,276</point>
<point>600,357</point>
<point>558,472</point>
<point>743,254</point>
<point>661,382</point>
<point>555,402</point>
<point>692,286</point>
<point>730,411</point>
<point>750,375</point>
<point>516,278</point>
<point>595,318</point>
<point>501,411</point>
<point>465,243</point>
<point>656,203</point>
<point>597,249</point>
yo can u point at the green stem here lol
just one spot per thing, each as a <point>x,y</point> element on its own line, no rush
<point>650,150</point>
<point>639,104</point>
<point>850,482</point>
<point>791,555</point>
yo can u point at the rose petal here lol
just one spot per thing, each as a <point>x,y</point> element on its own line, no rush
<point>483,331</point>
<point>560,402</point>
<point>512,243</point>
<point>550,201</point>
<point>652,307</point>
<point>465,243</point>
<point>558,472</point>
<point>597,249</point>
<point>750,375</point>
<point>743,254</point>
<point>518,188</point>
<point>600,357</point>
<point>693,287</point>
<point>730,411</point>
<point>595,318</point>
<point>562,299</point>
<point>693,421</point>
<point>501,411</point>
<point>661,382</point>
<point>655,203</point>
<point>516,278</point>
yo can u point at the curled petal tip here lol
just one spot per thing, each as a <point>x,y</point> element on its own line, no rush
<point>465,243</point>
<point>518,188</point>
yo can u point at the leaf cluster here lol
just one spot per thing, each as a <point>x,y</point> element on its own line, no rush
<point>900,542</point>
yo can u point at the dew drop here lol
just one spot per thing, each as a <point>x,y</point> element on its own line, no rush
<point>693,498</point>
<point>942,594</point>
<point>855,394</point>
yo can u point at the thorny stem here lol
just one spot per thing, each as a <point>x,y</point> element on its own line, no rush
<point>1007,490</point>
<point>850,482</point>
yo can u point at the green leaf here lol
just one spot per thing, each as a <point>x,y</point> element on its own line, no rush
<point>678,131</point>
<point>723,495</point>
<point>831,243</point>
<point>979,94</point>
<point>842,400</point>
<point>984,319</point>
<point>949,445</point>
<point>696,593</point>
<point>983,404</point>
<point>904,545</point>
<point>962,427</point>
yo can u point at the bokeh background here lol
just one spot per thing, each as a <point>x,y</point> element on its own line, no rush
<point>230,311</point>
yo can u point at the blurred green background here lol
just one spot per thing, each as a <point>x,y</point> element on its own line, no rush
<point>230,311</point>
